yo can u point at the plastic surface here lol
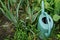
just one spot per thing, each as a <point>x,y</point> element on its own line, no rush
<point>45,28</point>
<point>45,23</point>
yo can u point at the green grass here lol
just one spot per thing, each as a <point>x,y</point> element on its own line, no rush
<point>25,26</point>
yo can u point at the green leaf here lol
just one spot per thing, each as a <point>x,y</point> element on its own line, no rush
<point>18,6</point>
<point>58,36</point>
<point>47,5</point>
<point>35,16</point>
<point>7,13</point>
<point>56,17</point>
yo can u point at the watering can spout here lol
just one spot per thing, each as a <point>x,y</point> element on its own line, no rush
<point>42,6</point>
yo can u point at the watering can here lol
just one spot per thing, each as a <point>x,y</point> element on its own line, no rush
<point>45,23</point>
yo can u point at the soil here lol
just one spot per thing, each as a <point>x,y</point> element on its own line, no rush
<point>6,27</point>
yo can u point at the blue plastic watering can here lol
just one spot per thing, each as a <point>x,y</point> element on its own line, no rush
<point>45,23</point>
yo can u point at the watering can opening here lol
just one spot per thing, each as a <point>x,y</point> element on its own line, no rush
<point>44,20</point>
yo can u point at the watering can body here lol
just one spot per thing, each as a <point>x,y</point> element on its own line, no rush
<point>45,27</point>
<point>45,23</point>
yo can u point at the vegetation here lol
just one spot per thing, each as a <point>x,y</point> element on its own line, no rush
<point>22,16</point>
